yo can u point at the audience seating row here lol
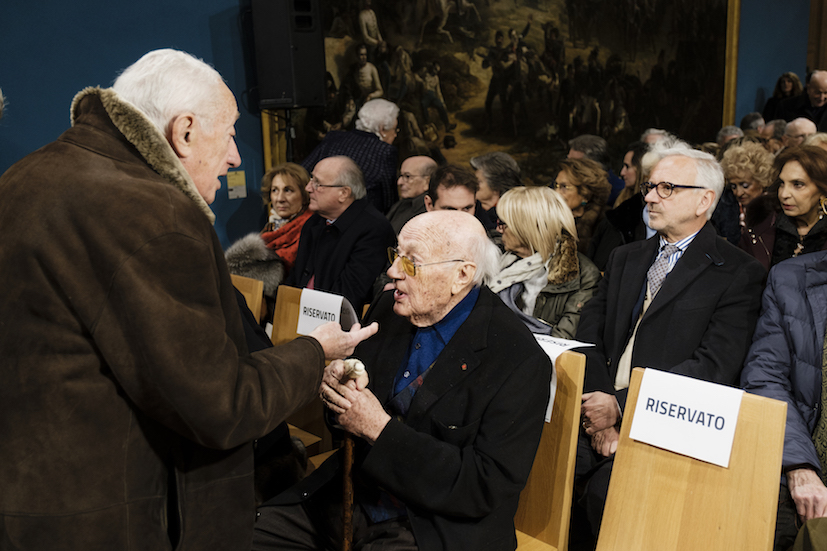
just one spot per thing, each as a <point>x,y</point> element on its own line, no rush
<point>658,500</point>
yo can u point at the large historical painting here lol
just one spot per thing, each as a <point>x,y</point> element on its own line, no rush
<point>472,76</point>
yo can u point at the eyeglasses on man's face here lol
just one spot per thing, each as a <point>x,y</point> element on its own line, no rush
<point>664,189</point>
<point>408,265</point>
<point>316,184</point>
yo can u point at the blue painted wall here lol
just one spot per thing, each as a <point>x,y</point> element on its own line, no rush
<point>773,40</point>
<point>51,49</point>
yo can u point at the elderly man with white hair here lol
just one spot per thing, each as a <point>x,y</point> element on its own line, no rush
<point>683,301</point>
<point>129,401</point>
<point>447,420</point>
<point>371,147</point>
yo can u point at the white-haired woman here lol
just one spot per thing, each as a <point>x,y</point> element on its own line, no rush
<point>370,146</point>
<point>542,277</point>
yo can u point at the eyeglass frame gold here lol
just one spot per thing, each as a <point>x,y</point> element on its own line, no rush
<point>646,187</point>
<point>409,266</point>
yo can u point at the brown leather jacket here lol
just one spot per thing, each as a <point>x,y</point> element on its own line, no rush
<point>128,400</point>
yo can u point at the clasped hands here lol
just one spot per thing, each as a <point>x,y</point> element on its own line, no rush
<point>600,413</point>
<point>358,410</point>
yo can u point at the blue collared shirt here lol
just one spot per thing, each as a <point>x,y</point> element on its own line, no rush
<point>428,342</point>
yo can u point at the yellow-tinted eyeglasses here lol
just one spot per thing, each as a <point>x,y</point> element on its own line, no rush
<point>408,265</point>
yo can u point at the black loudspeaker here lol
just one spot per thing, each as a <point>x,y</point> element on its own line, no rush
<point>290,62</point>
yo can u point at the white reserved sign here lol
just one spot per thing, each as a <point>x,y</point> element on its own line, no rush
<point>317,308</point>
<point>687,416</point>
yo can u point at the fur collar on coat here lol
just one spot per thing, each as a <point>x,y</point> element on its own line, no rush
<point>147,139</point>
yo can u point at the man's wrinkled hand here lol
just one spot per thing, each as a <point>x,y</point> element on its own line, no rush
<point>600,411</point>
<point>808,493</point>
<point>605,441</point>
<point>365,418</point>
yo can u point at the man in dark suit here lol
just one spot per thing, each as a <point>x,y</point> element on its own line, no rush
<point>450,422</point>
<point>812,104</point>
<point>685,301</point>
<point>342,246</point>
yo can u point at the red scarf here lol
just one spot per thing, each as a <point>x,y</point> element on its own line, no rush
<point>285,240</point>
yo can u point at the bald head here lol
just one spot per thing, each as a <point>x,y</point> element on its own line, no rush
<point>446,254</point>
<point>817,88</point>
<point>797,131</point>
<point>415,175</point>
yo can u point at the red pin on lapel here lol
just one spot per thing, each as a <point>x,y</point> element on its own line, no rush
<point>464,366</point>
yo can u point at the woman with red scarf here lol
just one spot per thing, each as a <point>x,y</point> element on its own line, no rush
<point>269,256</point>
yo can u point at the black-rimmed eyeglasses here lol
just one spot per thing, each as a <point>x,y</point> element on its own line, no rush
<point>664,189</point>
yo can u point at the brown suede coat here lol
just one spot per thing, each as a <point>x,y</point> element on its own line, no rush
<point>128,400</point>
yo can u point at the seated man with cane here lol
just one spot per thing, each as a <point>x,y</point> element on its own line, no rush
<point>447,420</point>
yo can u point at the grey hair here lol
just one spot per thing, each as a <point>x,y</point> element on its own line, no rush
<point>752,121</point>
<point>727,131</point>
<point>709,173</point>
<point>779,128</point>
<point>500,169</point>
<point>166,83</point>
<point>351,177</point>
<point>655,132</point>
<point>593,147</point>
<point>376,115</point>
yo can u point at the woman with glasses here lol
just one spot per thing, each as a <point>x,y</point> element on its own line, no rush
<point>585,188</point>
<point>371,147</point>
<point>798,227</point>
<point>542,277</point>
<point>269,256</point>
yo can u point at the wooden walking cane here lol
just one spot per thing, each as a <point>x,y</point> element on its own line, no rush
<point>354,368</point>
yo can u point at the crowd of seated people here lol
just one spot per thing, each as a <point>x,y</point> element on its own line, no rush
<point>762,187</point>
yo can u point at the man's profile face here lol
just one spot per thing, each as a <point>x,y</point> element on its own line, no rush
<point>817,89</point>
<point>424,298</point>
<point>323,199</point>
<point>213,146</point>
<point>453,198</point>
<point>411,182</point>
<point>677,216</point>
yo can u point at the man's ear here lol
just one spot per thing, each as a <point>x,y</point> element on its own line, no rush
<point>345,193</point>
<point>429,205</point>
<point>464,276</point>
<point>706,202</point>
<point>181,136</point>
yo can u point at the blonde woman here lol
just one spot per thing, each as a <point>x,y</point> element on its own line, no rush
<point>542,277</point>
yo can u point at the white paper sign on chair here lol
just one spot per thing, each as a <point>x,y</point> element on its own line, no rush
<point>317,308</point>
<point>687,416</point>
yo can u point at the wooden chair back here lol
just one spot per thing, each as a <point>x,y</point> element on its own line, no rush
<point>253,291</point>
<point>310,417</point>
<point>542,518</point>
<point>286,315</point>
<point>660,500</point>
